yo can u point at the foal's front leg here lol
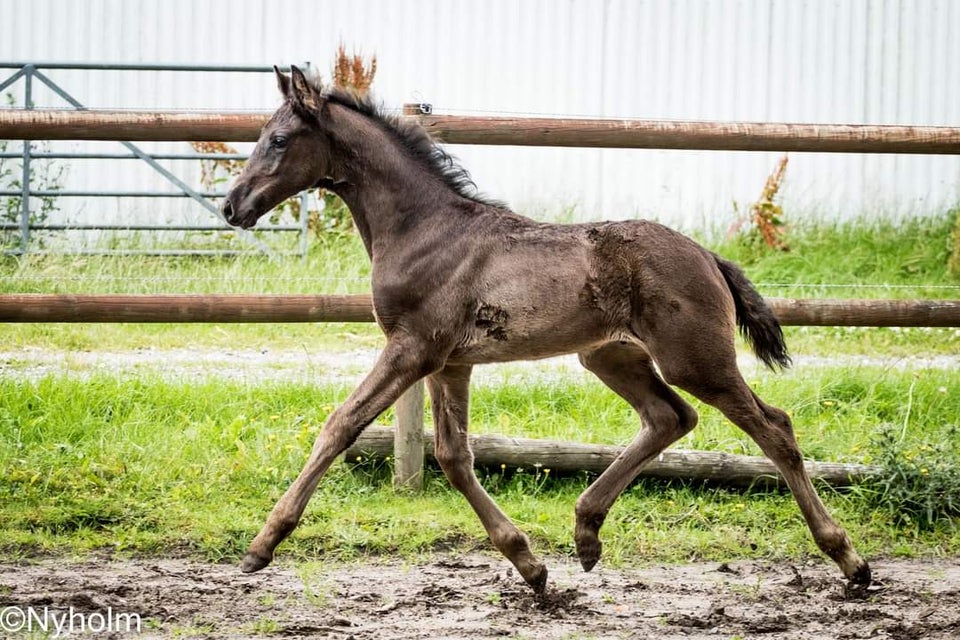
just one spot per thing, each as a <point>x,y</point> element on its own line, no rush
<point>449,392</point>
<point>401,363</point>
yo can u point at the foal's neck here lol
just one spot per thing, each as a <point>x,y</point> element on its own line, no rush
<point>389,193</point>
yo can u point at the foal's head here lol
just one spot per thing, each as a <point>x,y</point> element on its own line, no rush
<point>291,155</point>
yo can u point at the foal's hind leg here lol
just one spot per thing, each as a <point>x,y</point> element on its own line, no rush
<point>718,382</point>
<point>665,416</point>
<point>449,392</point>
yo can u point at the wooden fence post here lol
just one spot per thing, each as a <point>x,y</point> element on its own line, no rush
<point>408,440</point>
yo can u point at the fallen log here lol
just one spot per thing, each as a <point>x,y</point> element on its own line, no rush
<point>567,457</point>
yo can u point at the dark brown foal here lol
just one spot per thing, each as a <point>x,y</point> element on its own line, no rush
<point>458,281</point>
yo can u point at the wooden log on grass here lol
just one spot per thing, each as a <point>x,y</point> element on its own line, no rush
<point>571,457</point>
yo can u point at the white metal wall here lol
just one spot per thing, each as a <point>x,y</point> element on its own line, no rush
<point>849,61</point>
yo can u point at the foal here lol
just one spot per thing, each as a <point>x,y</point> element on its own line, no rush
<point>458,280</point>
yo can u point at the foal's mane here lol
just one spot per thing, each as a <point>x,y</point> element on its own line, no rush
<point>416,142</point>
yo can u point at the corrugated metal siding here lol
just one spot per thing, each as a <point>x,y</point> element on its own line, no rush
<point>854,61</point>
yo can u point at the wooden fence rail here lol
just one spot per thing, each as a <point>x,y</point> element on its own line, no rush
<point>44,124</point>
<point>42,307</point>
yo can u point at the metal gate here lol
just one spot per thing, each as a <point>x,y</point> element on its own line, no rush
<point>31,73</point>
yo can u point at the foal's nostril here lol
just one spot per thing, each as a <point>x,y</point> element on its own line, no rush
<point>227,210</point>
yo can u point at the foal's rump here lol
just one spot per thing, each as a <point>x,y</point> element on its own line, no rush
<point>685,300</point>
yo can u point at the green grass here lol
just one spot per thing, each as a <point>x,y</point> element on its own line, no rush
<point>857,259</point>
<point>337,266</point>
<point>151,466</point>
<point>147,464</point>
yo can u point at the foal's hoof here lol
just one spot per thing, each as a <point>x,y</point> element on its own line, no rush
<point>589,548</point>
<point>538,581</point>
<point>862,577</point>
<point>252,562</point>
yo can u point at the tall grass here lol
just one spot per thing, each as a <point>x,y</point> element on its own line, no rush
<point>151,465</point>
<point>147,464</point>
<point>336,264</point>
<point>855,259</point>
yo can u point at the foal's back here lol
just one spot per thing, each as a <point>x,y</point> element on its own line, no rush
<point>540,290</point>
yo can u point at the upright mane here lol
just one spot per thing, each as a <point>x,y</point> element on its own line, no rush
<point>417,142</point>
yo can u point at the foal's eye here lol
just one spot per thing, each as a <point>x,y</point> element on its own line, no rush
<point>278,141</point>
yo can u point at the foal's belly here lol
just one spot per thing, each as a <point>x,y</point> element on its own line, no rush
<point>486,351</point>
<point>504,333</point>
<point>539,299</point>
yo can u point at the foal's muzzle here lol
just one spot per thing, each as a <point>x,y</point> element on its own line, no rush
<point>230,214</point>
<point>234,216</point>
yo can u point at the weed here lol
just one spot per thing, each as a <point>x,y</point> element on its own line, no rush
<point>351,72</point>
<point>318,588</point>
<point>268,600</point>
<point>193,631</point>
<point>266,626</point>
<point>766,216</point>
<point>749,592</point>
<point>953,262</point>
<point>919,480</point>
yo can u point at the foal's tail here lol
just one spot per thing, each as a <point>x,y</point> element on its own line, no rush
<point>757,323</point>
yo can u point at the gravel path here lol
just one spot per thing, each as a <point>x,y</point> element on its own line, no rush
<point>347,367</point>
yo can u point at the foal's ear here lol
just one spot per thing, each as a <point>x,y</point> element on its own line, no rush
<point>283,81</point>
<point>305,97</point>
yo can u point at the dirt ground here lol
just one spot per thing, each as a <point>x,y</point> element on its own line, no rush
<point>479,596</point>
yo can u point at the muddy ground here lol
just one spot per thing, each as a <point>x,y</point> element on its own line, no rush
<point>478,596</point>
